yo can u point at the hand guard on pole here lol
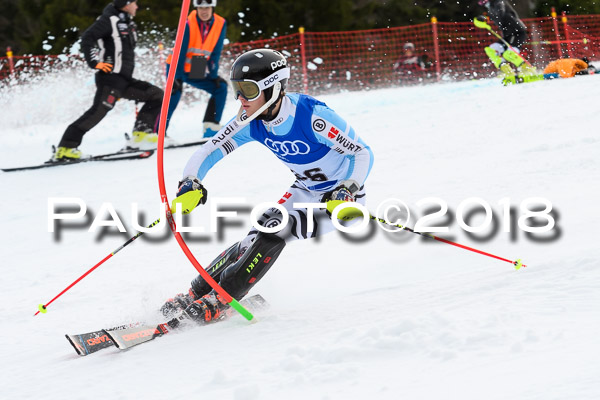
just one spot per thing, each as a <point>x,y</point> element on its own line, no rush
<point>190,194</point>
<point>480,20</point>
<point>342,194</point>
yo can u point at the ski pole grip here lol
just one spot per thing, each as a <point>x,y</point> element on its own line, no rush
<point>240,308</point>
<point>481,24</point>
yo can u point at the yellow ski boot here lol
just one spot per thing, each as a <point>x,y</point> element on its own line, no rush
<point>507,73</point>
<point>494,57</point>
<point>68,154</point>
<point>143,140</point>
<point>529,73</point>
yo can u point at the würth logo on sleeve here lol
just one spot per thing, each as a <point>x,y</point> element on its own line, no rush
<point>347,144</point>
<point>333,132</point>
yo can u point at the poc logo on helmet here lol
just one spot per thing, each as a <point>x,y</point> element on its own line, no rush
<point>278,63</point>
<point>271,80</point>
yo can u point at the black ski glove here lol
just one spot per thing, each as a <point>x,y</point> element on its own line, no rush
<point>344,192</point>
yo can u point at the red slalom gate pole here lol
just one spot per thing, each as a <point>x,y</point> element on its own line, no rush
<point>160,166</point>
<point>517,263</point>
<point>42,307</point>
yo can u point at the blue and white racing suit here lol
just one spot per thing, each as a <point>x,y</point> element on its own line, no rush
<point>318,146</point>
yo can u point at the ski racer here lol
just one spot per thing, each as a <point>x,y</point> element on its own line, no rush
<point>114,33</point>
<point>514,32</point>
<point>324,152</point>
<point>198,64</point>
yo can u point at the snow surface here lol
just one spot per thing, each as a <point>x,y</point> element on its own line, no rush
<point>385,316</point>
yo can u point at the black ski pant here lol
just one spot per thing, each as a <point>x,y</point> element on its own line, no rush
<point>109,89</point>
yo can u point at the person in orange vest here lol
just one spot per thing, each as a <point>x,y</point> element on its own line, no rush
<point>198,63</point>
<point>569,67</point>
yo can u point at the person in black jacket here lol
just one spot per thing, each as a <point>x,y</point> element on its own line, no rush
<point>513,31</point>
<point>108,46</point>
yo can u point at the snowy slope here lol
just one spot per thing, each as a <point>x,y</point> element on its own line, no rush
<point>385,316</point>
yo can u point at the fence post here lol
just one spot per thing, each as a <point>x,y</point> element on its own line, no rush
<point>11,64</point>
<point>161,58</point>
<point>436,47</point>
<point>567,38</point>
<point>303,57</point>
<point>555,23</point>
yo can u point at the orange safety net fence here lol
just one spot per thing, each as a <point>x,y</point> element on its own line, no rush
<point>325,62</point>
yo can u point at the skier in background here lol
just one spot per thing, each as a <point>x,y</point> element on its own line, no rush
<point>409,61</point>
<point>329,161</point>
<point>114,33</point>
<point>569,67</point>
<point>514,32</point>
<point>198,63</point>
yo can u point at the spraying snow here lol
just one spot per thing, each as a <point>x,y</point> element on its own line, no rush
<point>378,315</point>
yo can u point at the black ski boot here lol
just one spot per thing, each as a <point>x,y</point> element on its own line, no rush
<point>209,308</point>
<point>177,304</point>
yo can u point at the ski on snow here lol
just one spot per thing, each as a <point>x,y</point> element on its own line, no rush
<point>129,335</point>
<point>91,342</point>
<point>124,154</point>
<point>176,145</point>
<point>517,79</point>
<point>117,156</point>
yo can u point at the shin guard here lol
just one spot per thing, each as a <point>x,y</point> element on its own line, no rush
<point>215,269</point>
<point>513,57</point>
<point>238,278</point>
<point>494,57</point>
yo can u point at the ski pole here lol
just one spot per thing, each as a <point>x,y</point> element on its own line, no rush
<point>518,263</point>
<point>484,25</point>
<point>43,307</point>
<point>584,41</point>
<point>349,213</point>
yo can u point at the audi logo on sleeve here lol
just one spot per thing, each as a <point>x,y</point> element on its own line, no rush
<point>287,148</point>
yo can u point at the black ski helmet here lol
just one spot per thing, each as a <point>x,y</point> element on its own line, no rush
<point>121,3</point>
<point>261,70</point>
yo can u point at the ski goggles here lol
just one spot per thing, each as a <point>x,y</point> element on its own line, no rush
<point>250,90</point>
<point>205,3</point>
